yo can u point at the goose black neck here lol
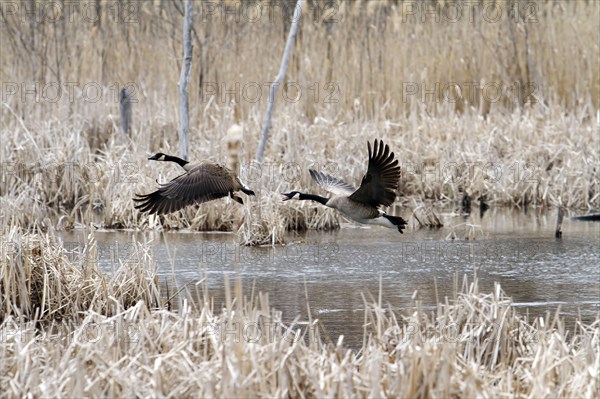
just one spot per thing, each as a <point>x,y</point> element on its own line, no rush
<point>314,197</point>
<point>177,160</point>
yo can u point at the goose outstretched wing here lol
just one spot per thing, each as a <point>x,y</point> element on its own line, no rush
<point>379,184</point>
<point>331,184</point>
<point>202,183</point>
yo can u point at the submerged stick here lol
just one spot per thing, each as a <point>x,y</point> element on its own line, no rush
<point>559,220</point>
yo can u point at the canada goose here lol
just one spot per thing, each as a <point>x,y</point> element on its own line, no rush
<point>482,205</point>
<point>376,188</point>
<point>202,182</point>
<point>466,203</point>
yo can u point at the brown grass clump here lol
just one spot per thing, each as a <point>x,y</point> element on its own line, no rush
<point>472,345</point>
<point>39,282</point>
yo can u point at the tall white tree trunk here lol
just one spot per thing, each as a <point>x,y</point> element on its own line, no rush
<point>184,79</point>
<point>273,89</point>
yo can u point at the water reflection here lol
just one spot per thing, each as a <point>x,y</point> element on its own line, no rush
<point>336,269</point>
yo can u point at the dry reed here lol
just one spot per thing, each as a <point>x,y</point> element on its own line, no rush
<point>67,329</point>
<point>39,281</point>
<point>63,160</point>
<point>472,345</point>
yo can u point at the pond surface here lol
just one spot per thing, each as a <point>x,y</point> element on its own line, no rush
<point>516,249</point>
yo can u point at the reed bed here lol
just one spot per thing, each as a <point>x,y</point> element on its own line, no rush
<point>368,50</point>
<point>473,344</point>
<point>40,280</point>
<point>64,159</point>
<point>69,329</point>
<point>509,160</point>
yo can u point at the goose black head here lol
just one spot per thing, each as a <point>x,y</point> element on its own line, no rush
<point>159,156</point>
<point>290,195</point>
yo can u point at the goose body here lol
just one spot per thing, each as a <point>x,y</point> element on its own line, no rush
<point>377,189</point>
<point>202,182</point>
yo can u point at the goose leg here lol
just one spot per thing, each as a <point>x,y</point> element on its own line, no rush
<point>236,198</point>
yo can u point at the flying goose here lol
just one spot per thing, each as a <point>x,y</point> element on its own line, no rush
<point>376,189</point>
<point>202,182</point>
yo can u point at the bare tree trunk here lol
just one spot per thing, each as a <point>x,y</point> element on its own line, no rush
<point>184,80</point>
<point>282,69</point>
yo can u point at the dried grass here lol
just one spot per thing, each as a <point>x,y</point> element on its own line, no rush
<point>39,282</point>
<point>64,161</point>
<point>472,345</point>
<point>66,329</point>
<point>80,187</point>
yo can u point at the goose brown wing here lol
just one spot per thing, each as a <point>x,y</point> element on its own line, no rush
<point>202,183</point>
<point>331,184</point>
<point>381,180</point>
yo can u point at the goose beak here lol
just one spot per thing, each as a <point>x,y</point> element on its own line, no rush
<point>285,197</point>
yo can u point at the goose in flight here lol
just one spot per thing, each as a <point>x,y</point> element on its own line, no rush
<point>377,188</point>
<point>202,182</point>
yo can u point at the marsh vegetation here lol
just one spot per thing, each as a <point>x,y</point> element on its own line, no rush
<point>68,331</point>
<point>449,110</point>
<point>505,108</point>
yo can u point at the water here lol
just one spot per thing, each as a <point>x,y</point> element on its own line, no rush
<point>336,269</point>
